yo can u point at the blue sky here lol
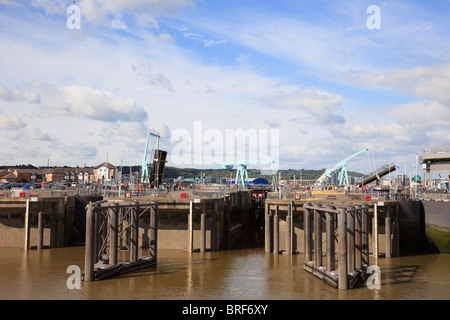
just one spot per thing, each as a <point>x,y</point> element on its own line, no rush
<point>312,70</point>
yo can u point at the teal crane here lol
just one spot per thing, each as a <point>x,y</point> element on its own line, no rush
<point>242,173</point>
<point>341,167</point>
<point>145,163</point>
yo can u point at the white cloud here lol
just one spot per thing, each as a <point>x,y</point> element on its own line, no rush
<point>117,23</point>
<point>18,94</point>
<point>10,122</point>
<point>98,11</point>
<point>427,115</point>
<point>88,103</point>
<point>426,82</point>
<point>82,151</point>
<point>321,105</point>
<point>271,122</point>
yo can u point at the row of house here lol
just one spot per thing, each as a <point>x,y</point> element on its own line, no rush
<point>98,174</point>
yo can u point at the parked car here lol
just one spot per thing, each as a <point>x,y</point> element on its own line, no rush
<point>5,186</point>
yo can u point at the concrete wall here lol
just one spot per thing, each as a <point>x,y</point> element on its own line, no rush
<point>60,224</point>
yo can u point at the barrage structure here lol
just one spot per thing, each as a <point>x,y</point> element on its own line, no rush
<point>114,226</point>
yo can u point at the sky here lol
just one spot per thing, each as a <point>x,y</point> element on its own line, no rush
<point>305,84</point>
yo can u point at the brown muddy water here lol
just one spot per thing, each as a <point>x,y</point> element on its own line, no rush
<point>246,274</point>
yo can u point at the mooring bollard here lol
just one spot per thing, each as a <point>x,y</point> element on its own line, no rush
<point>307,232</point>
<point>342,250</point>
<point>276,231</point>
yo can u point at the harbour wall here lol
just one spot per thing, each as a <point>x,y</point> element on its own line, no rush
<point>65,218</point>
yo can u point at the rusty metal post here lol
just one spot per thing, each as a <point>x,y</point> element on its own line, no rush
<point>307,232</point>
<point>40,230</point>
<point>330,263</point>
<point>395,236</point>
<point>288,231</point>
<point>27,226</point>
<point>203,229</point>
<point>89,260</point>
<point>365,234</point>
<point>342,250</point>
<point>191,228</point>
<point>134,232</point>
<point>358,243</point>
<point>388,232</point>
<point>351,239</point>
<point>317,239</point>
<point>276,231</point>
<point>267,240</point>
<point>154,230</point>
<point>113,232</point>
<point>375,232</point>
<point>120,229</point>
<point>214,226</point>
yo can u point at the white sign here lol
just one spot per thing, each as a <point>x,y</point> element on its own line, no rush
<point>196,200</point>
<point>380,203</point>
<point>34,199</point>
